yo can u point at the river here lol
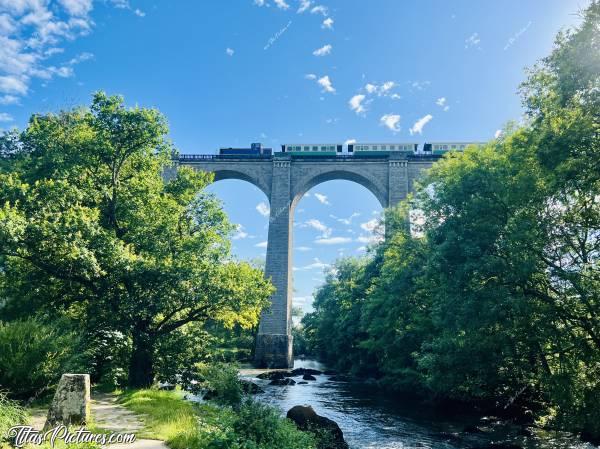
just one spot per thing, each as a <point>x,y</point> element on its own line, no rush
<point>374,421</point>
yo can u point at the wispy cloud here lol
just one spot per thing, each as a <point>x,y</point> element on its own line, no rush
<point>333,241</point>
<point>420,85</point>
<point>417,128</point>
<point>320,9</point>
<point>327,24</point>
<point>323,51</point>
<point>261,244</point>
<point>303,248</point>
<point>318,226</point>
<point>472,41</point>
<point>229,51</point>
<point>263,209</point>
<point>346,221</point>
<point>391,121</point>
<point>516,36</point>
<point>498,134</point>
<point>240,234</point>
<point>304,5</point>
<point>5,117</point>
<point>30,35</point>
<point>315,265</point>
<point>442,103</point>
<point>322,198</point>
<point>281,4</point>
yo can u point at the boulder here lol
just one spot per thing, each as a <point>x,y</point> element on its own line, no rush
<point>250,387</point>
<point>273,375</point>
<point>308,377</point>
<point>71,403</point>
<point>327,431</point>
<point>282,382</point>
<point>303,371</point>
<point>302,383</point>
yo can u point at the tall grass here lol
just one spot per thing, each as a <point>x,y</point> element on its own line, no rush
<point>11,414</point>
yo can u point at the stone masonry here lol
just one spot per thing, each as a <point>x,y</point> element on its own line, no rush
<point>284,180</point>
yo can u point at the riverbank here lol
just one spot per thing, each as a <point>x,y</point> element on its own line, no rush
<point>373,418</point>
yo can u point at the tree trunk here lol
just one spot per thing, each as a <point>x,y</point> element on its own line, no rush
<point>141,365</point>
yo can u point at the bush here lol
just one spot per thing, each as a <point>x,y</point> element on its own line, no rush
<point>222,383</point>
<point>33,356</point>
<point>253,426</point>
<point>11,414</point>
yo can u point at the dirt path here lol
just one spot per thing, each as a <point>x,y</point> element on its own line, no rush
<point>109,415</point>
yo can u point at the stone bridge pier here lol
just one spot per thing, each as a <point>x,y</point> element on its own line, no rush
<point>284,181</point>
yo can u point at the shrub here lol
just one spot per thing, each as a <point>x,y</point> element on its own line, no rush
<point>222,383</point>
<point>33,356</point>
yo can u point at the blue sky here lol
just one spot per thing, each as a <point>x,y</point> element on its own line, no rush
<point>231,72</point>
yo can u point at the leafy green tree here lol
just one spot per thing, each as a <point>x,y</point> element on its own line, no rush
<point>94,223</point>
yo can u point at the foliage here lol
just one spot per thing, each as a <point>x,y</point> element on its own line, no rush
<point>96,225</point>
<point>34,355</point>
<point>222,383</point>
<point>183,425</point>
<point>494,295</point>
<point>11,414</point>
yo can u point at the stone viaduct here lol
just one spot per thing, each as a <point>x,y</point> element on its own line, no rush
<point>284,179</point>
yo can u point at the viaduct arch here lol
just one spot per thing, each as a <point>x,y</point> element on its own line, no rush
<point>284,180</point>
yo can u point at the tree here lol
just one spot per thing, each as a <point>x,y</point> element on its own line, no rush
<point>90,226</point>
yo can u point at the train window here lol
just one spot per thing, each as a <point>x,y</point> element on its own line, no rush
<point>383,147</point>
<point>453,147</point>
<point>374,147</point>
<point>306,148</point>
<point>392,147</point>
<point>445,147</point>
<point>315,148</point>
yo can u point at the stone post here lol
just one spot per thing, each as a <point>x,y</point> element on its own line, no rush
<point>71,403</point>
<point>274,339</point>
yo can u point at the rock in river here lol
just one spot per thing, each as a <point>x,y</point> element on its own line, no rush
<point>327,431</point>
<point>284,381</point>
<point>308,377</point>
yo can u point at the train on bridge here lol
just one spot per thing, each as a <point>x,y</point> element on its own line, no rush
<point>356,149</point>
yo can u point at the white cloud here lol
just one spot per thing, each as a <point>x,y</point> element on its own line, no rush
<point>326,84</point>
<point>260,2</point>
<point>382,90</point>
<point>333,240</point>
<point>317,225</point>
<point>346,221</point>
<point>356,104</point>
<point>442,103</point>
<point>77,7</point>
<point>315,265</point>
<point>472,41</point>
<point>229,51</point>
<point>263,209</point>
<point>319,9</point>
<point>281,4</point>
<point>138,12</point>
<point>392,121</point>
<point>240,234</point>
<point>310,76</point>
<point>497,134</point>
<point>14,85</point>
<point>369,239</point>
<point>323,51</point>
<point>370,225</point>
<point>303,248</point>
<point>261,244</point>
<point>322,198</point>
<point>349,141</point>
<point>327,24</point>
<point>417,128</point>
<point>304,5</point>
<point>9,99</point>
<point>5,117</point>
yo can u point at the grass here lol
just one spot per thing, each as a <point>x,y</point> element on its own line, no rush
<point>184,425</point>
<point>166,415</point>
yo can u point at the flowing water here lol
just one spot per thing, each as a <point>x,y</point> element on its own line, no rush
<point>371,420</point>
